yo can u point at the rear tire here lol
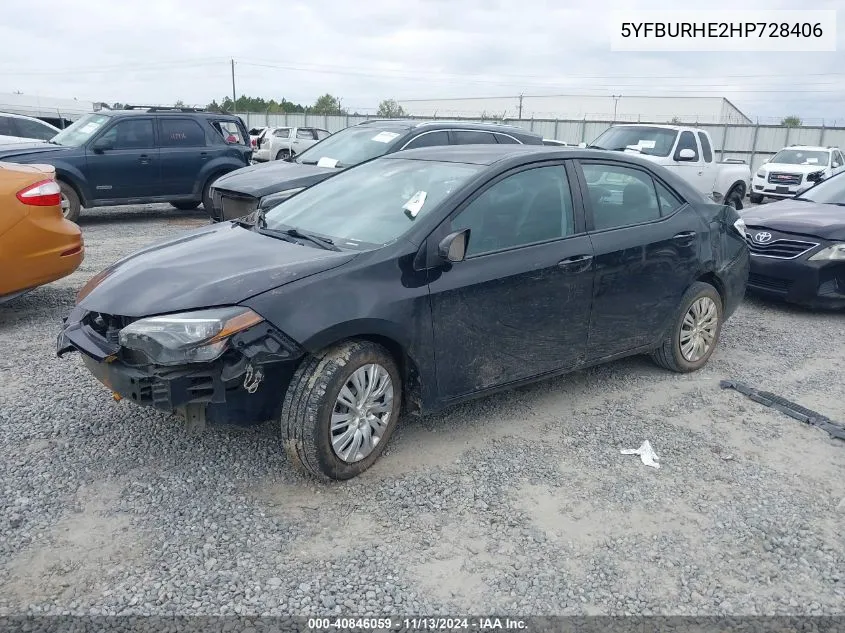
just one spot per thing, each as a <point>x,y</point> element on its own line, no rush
<point>755,198</point>
<point>71,206</point>
<point>700,312</point>
<point>315,421</point>
<point>185,206</point>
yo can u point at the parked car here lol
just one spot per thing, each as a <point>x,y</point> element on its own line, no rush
<point>281,143</point>
<point>794,169</point>
<point>411,282</point>
<point>138,156</point>
<point>686,151</point>
<point>240,193</point>
<point>16,129</point>
<point>37,244</point>
<point>798,246</point>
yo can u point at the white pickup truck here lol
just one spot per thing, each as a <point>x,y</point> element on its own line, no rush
<point>688,152</point>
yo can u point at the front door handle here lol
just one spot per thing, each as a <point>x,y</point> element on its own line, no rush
<point>144,159</point>
<point>203,155</point>
<point>576,263</point>
<point>685,237</point>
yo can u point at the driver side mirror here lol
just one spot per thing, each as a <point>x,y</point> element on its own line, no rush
<point>686,154</point>
<point>102,144</point>
<point>453,247</point>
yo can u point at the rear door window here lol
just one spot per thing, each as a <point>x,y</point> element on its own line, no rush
<point>472,137</point>
<point>504,139</point>
<point>429,139</point>
<point>7,127</point>
<point>181,132</point>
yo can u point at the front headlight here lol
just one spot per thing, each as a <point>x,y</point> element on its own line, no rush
<point>739,225</point>
<point>187,337</point>
<point>761,173</point>
<point>835,253</point>
<point>268,202</point>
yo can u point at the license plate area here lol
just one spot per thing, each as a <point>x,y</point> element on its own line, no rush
<point>781,189</point>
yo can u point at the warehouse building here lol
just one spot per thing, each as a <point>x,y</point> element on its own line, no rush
<point>621,108</point>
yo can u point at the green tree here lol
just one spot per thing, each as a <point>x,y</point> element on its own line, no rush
<point>791,121</point>
<point>327,104</point>
<point>390,109</point>
<point>179,104</point>
<point>675,121</point>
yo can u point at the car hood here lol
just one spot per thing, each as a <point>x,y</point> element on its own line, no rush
<point>825,221</point>
<point>792,169</point>
<point>222,264</point>
<point>25,149</point>
<point>273,177</point>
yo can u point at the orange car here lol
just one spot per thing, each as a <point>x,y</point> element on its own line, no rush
<point>37,245</point>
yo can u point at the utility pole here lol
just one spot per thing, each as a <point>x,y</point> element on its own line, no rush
<point>615,101</point>
<point>519,116</point>
<point>234,96</point>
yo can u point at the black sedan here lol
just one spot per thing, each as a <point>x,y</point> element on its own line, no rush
<point>411,282</point>
<point>798,246</point>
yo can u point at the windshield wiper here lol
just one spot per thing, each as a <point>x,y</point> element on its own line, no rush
<point>622,149</point>
<point>307,162</point>
<point>322,242</point>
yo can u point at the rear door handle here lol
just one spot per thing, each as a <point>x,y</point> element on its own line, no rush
<point>576,263</point>
<point>144,159</point>
<point>203,155</point>
<point>685,237</point>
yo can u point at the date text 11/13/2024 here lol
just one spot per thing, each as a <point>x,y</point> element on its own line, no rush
<point>417,623</point>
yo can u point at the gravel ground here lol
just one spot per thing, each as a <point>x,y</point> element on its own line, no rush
<point>518,503</point>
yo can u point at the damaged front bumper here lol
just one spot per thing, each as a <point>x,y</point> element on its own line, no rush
<point>244,386</point>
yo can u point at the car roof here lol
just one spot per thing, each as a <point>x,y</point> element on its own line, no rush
<point>809,148</point>
<point>166,112</point>
<point>489,154</point>
<point>449,124</point>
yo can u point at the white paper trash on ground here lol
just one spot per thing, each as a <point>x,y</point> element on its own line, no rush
<point>646,453</point>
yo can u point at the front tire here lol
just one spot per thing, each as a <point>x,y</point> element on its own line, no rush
<point>340,410</point>
<point>695,331</point>
<point>71,206</point>
<point>734,199</point>
<point>755,198</point>
<point>282,154</point>
<point>185,206</point>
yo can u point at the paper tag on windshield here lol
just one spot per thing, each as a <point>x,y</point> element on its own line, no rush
<point>327,162</point>
<point>646,144</point>
<point>385,137</point>
<point>416,203</point>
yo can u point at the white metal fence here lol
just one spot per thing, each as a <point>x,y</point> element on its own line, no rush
<point>751,143</point>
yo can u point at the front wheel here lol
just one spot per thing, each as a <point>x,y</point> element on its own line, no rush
<point>734,199</point>
<point>340,410</point>
<point>695,331</point>
<point>185,206</point>
<point>282,154</point>
<point>755,198</point>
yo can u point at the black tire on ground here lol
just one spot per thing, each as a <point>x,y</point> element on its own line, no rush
<point>206,193</point>
<point>282,154</point>
<point>74,206</point>
<point>310,401</point>
<point>734,198</point>
<point>185,206</point>
<point>755,198</point>
<point>669,355</point>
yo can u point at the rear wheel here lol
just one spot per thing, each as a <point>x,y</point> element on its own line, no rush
<point>755,198</point>
<point>695,331</point>
<point>185,206</point>
<point>71,206</point>
<point>340,410</point>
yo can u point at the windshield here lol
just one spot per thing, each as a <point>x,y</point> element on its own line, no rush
<point>801,157</point>
<point>653,141</point>
<point>830,191</point>
<point>372,204</point>
<point>80,131</point>
<point>351,146</point>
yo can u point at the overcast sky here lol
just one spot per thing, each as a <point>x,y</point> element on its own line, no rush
<point>160,51</point>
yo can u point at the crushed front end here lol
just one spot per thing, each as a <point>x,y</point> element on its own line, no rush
<point>225,365</point>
